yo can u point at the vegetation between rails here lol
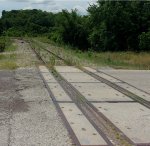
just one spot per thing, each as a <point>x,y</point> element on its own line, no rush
<point>119,60</point>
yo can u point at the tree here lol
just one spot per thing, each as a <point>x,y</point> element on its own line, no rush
<point>1,28</point>
<point>109,26</point>
<point>70,28</point>
<point>33,22</point>
<point>116,25</point>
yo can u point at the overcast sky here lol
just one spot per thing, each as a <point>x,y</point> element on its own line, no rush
<point>47,5</point>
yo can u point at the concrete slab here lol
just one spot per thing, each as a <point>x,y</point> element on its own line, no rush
<point>49,77</point>
<point>100,92</point>
<point>132,119</point>
<point>6,81</point>
<point>43,69</point>
<point>79,77</point>
<point>30,95</point>
<point>85,132</point>
<point>7,92</point>
<point>135,91</point>
<point>46,74</point>
<point>4,132</point>
<point>37,125</point>
<point>58,92</point>
<point>35,121</point>
<point>137,78</point>
<point>107,77</point>
<point>90,69</point>
<point>67,69</point>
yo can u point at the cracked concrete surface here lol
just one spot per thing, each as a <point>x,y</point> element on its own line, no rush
<point>27,114</point>
<point>138,78</point>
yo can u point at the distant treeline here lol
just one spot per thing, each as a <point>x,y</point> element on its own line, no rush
<point>108,26</point>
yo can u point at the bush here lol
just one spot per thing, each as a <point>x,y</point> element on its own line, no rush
<point>13,32</point>
<point>56,37</point>
<point>2,44</point>
<point>144,41</point>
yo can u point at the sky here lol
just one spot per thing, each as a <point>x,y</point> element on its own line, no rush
<point>46,5</point>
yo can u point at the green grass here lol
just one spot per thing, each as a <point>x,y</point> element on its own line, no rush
<point>118,60</point>
<point>8,61</point>
<point>10,46</point>
<point>129,60</point>
<point>9,65</point>
<point>8,57</point>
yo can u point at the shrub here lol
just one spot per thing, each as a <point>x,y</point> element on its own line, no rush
<point>2,44</point>
<point>56,37</point>
<point>144,41</point>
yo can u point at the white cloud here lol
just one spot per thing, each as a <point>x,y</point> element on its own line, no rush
<point>80,9</point>
<point>43,2</point>
<point>28,8</point>
<point>46,5</point>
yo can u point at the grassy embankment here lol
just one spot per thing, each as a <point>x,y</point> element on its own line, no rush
<point>8,57</point>
<point>118,60</point>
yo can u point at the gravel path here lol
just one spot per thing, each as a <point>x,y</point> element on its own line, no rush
<point>28,116</point>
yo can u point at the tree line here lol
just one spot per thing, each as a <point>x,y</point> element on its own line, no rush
<point>108,26</point>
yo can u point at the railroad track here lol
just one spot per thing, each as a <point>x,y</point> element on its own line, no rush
<point>123,82</point>
<point>109,132</point>
<point>120,89</point>
<point>109,83</point>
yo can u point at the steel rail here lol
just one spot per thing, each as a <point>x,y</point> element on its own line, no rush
<point>67,125</point>
<point>109,83</point>
<point>88,107</point>
<point>122,90</point>
<point>95,115</point>
<point>122,81</point>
